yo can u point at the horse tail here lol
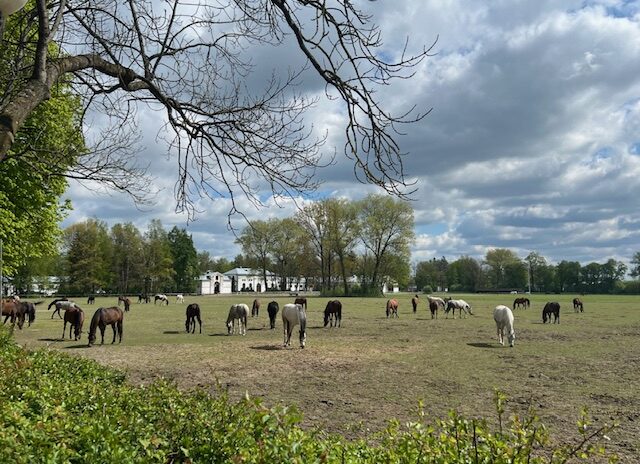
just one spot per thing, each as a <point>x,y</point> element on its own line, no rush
<point>95,320</point>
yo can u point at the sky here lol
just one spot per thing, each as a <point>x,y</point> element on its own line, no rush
<point>532,144</point>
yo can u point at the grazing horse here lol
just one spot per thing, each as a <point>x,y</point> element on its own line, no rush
<point>193,315</point>
<point>240,313</point>
<point>10,311</point>
<point>504,324</point>
<point>75,318</point>
<point>292,315</point>
<point>91,299</point>
<point>549,309</point>
<point>103,317</point>
<point>524,302</point>
<point>162,297</point>
<point>433,307</point>
<point>273,309</point>
<point>143,298</point>
<point>392,308</point>
<point>460,305</point>
<point>333,313</point>
<point>179,298</point>
<point>255,308</point>
<point>54,303</point>
<point>63,305</point>
<point>27,310</point>
<point>414,303</point>
<point>578,306</point>
<point>126,301</point>
<point>302,302</point>
<point>437,300</point>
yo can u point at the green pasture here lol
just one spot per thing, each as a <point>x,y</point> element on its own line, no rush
<point>354,378</point>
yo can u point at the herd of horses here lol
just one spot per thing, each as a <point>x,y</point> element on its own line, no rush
<point>18,312</point>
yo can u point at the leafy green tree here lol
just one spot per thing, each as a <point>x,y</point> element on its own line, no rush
<point>315,222</point>
<point>499,261</point>
<point>612,274</point>
<point>88,256</point>
<point>128,258</point>
<point>386,230</point>
<point>635,265</point>
<point>464,275</point>
<point>432,273</point>
<point>343,233</point>
<point>158,269</point>
<point>185,260</point>
<point>46,145</point>
<point>568,276</point>
<point>257,241</point>
<point>285,249</point>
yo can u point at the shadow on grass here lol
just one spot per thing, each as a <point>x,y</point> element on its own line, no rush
<point>267,347</point>
<point>172,332</point>
<point>51,339</point>
<point>484,345</point>
<point>219,334</point>
<point>78,347</point>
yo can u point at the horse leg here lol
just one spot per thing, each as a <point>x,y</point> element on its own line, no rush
<point>101,326</point>
<point>285,328</point>
<point>120,330</point>
<point>199,323</point>
<point>64,329</point>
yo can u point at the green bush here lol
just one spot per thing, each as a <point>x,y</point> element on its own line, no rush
<point>62,409</point>
<point>427,289</point>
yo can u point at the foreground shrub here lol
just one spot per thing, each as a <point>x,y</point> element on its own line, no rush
<point>63,409</point>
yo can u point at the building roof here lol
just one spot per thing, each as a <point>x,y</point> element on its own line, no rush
<point>246,272</point>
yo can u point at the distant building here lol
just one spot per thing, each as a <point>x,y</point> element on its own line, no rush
<point>240,279</point>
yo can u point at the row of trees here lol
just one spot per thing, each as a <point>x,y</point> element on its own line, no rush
<point>329,241</point>
<point>117,260</point>
<point>503,269</point>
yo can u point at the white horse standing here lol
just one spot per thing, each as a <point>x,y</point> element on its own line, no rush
<point>504,323</point>
<point>460,305</point>
<point>240,313</point>
<point>292,315</point>
<point>179,298</point>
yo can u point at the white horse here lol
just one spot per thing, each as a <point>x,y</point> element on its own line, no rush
<point>179,298</point>
<point>240,313</point>
<point>460,305</point>
<point>504,323</point>
<point>162,298</point>
<point>292,315</point>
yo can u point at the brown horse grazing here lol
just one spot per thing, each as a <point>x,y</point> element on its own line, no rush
<point>333,313</point>
<point>524,302</point>
<point>193,315</point>
<point>273,309</point>
<point>302,302</point>
<point>414,303</point>
<point>10,311</point>
<point>549,309</point>
<point>126,301</point>
<point>103,317</point>
<point>433,307</point>
<point>578,306</point>
<point>27,310</point>
<point>75,318</point>
<point>255,308</point>
<point>392,308</point>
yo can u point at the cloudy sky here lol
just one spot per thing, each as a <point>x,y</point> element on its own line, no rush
<point>533,143</point>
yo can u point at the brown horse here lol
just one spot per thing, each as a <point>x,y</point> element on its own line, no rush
<point>333,313</point>
<point>302,302</point>
<point>414,303</point>
<point>255,308</point>
<point>10,311</point>
<point>193,315</point>
<point>433,307</point>
<point>392,308</point>
<point>524,302</point>
<point>27,310</point>
<point>578,306</point>
<point>126,301</point>
<point>273,309</point>
<point>75,317</point>
<point>103,317</point>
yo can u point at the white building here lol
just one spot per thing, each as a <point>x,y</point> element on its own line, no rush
<point>240,279</point>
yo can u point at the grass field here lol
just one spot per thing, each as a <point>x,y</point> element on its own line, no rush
<point>354,378</point>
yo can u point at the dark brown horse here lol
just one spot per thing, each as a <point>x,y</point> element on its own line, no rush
<point>433,307</point>
<point>103,317</point>
<point>333,313</point>
<point>392,308</point>
<point>91,299</point>
<point>302,302</point>
<point>75,317</point>
<point>414,303</point>
<point>524,302</point>
<point>273,309</point>
<point>578,306</point>
<point>126,301</point>
<point>27,311</point>
<point>193,315</point>
<point>9,309</point>
<point>551,308</point>
<point>255,308</point>
<point>143,298</point>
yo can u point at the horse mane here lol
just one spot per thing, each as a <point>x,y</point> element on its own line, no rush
<point>94,324</point>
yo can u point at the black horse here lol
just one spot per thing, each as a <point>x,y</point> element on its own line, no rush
<point>193,315</point>
<point>333,313</point>
<point>578,305</point>
<point>549,309</point>
<point>91,299</point>
<point>273,309</point>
